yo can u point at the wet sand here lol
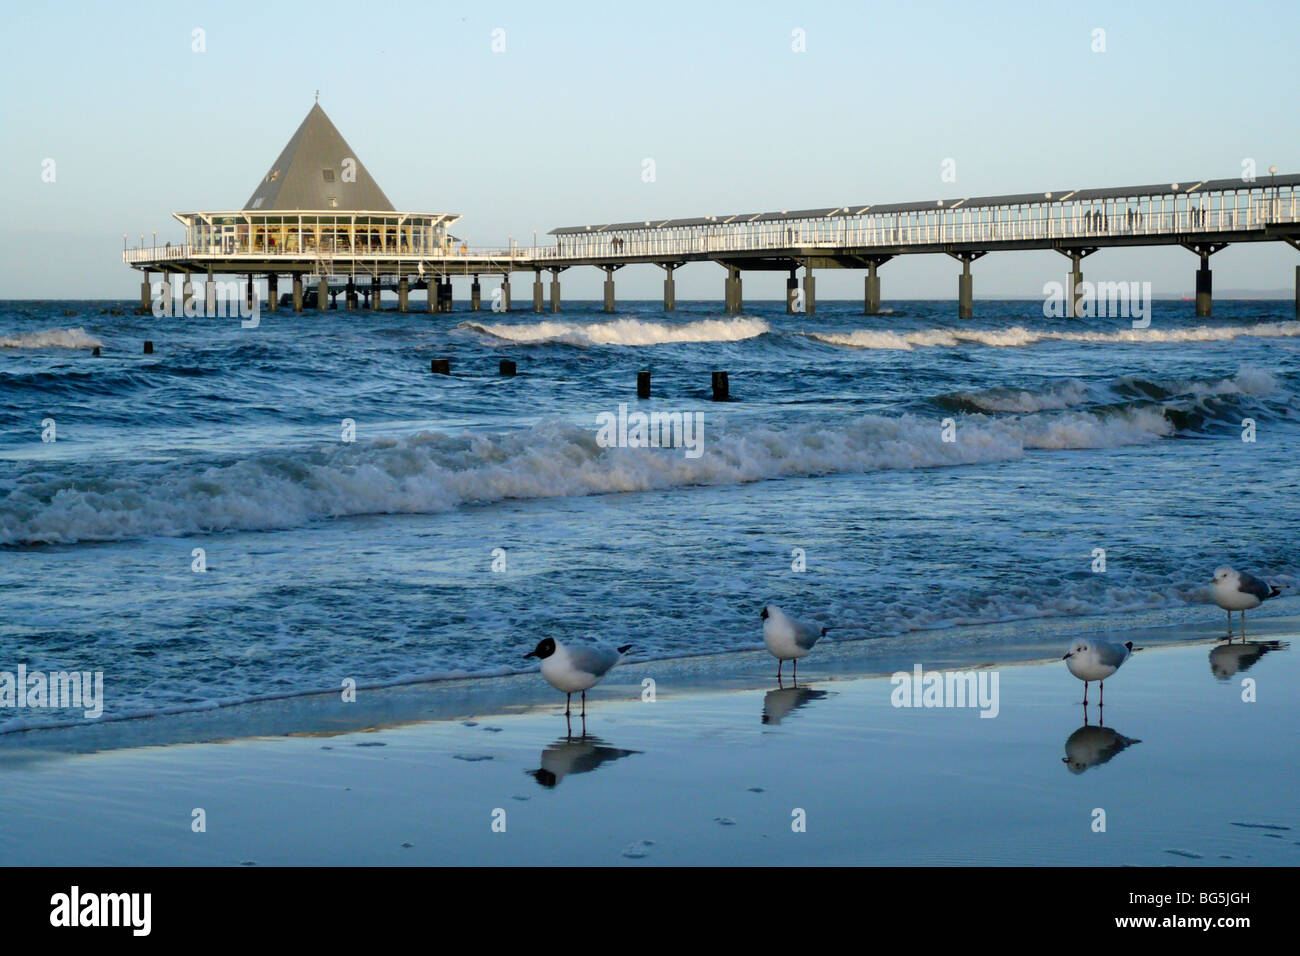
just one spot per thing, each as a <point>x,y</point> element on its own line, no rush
<point>1185,770</point>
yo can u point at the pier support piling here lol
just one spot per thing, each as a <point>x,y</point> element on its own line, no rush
<point>505,292</point>
<point>146,293</point>
<point>555,290</point>
<point>791,292</point>
<point>210,297</point>
<point>537,291</point>
<point>965,284</point>
<point>475,296</point>
<point>374,293</point>
<point>643,384</point>
<point>444,294</point>
<point>1074,280</point>
<point>250,294</point>
<point>403,294</point>
<point>165,296</point>
<point>809,292</point>
<point>670,286</point>
<point>1297,291</point>
<point>297,291</point>
<point>1204,279</point>
<point>322,294</point>
<point>433,295</point>
<point>734,294</point>
<point>272,292</point>
<point>350,299</point>
<point>609,287</point>
<point>187,295</point>
<point>871,286</point>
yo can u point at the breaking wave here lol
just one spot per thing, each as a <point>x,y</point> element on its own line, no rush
<point>1017,336</point>
<point>50,339</point>
<point>624,331</point>
<point>432,472</point>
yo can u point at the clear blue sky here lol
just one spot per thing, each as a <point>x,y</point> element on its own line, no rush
<point>553,131</point>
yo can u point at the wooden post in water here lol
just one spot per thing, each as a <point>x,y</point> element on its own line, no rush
<point>643,384</point>
<point>507,367</point>
<point>440,366</point>
<point>721,387</point>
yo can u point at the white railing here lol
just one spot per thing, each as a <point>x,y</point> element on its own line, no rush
<point>1064,221</point>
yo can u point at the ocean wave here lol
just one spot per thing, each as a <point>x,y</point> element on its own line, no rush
<point>633,332</point>
<point>1018,336</point>
<point>431,472</point>
<point>50,339</point>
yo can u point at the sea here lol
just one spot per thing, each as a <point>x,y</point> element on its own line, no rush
<point>257,513</point>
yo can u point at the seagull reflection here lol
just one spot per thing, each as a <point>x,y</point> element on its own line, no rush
<point>1229,659</point>
<point>1091,746</point>
<point>778,704</point>
<point>574,755</point>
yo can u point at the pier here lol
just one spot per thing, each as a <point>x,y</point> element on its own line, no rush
<point>321,220</point>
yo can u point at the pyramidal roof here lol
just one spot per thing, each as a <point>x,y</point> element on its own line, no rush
<point>317,169</point>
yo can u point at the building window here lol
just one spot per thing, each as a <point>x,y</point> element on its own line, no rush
<point>328,174</point>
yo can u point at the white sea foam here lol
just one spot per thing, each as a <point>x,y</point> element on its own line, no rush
<point>624,331</point>
<point>50,339</point>
<point>1017,336</point>
<point>429,473</point>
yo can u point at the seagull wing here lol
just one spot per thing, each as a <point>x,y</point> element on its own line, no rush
<point>806,635</point>
<point>592,659</point>
<point>1110,655</point>
<point>1249,584</point>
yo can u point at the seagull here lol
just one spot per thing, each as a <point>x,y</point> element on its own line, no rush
<point>1235,591</point>
<point>575,667</point>
<point>787,638</point>
<point>1091,660</point>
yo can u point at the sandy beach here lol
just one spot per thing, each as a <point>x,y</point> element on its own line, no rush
<point>722,767</point>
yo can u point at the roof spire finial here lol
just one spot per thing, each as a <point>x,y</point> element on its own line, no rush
<point>318,96</point>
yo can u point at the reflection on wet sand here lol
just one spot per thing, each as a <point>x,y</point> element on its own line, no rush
<point>1229,659</point>
<point>778,704</point>
<point>1091,746</point>
<point>570,755</point>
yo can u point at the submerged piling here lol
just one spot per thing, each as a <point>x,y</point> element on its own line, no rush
<point>148,347</point>
<point>642,384</point>
<point>721,387</point>
<point>440,366</point>
<point>507,367</point>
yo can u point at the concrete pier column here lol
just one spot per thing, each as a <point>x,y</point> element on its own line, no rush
<point>735,299</point>
<point>670,289</point>
<point>210,297</point>
<point>444,295</point>
<point>433,295</point>
<point>165,296</point>
<point>146,293</point>
<point>1204,288</point>
<point>809,292</point>
<point>297,292</point>
<point>475,296</point>
<point>374,293</point>
<point>249,293</point>
<point>403,293</point>
<point>505,293</point>
<point>791,292</point>
<point>1074,280</point>
<point>350,295</point>
<point>555,290</point>
<point>537,291</point>
<point>965,284</point>
<point>187,296</point>
<point>322,294</point>
<point>272,292</point>
<point>609,288</point>
<point>871,292</point>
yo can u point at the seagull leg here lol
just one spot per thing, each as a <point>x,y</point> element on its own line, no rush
<point>796,672</point>
<point>1243,627</point>
<point>1229,627</point>
<point>1085,693</point>
<point>1102,685</point>
<point>779,664</point>
<point>567,698</point>
<point>584,705</point>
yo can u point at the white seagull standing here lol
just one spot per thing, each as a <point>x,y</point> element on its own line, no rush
<point>1237,591</point>
<point>575,667</point>
<point>1091,660</point>
<point>788,639</point>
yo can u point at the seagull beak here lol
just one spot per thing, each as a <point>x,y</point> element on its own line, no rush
<point>1068,655</point>
<point>531,654</point>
